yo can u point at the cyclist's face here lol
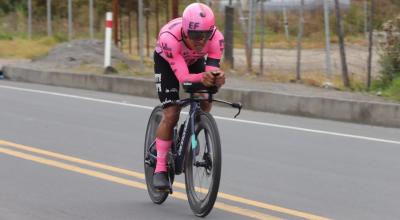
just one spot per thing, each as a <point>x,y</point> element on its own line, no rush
<point>198,39</point>
<point>197,45</point>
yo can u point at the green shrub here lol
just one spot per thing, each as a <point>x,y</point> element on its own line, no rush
<point>390,58</point>
<point>393,91</point>
<point>5,36</point>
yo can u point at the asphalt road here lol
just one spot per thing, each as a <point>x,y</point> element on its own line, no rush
<point>76,154</point>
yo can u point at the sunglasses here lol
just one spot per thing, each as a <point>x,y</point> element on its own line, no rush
<point>199,35</point>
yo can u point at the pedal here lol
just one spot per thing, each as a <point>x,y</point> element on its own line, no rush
<point>162,190</point>
<point>170,185</point>
<point>169,190</point>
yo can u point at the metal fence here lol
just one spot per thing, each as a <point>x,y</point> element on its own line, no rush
<point>278,22</point>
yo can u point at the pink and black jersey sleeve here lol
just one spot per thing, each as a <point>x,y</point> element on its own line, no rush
<point>171,51</point>
<point>215,50</point>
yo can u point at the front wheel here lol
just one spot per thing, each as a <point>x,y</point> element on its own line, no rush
<point>203,166</point>
<point>157,197</point>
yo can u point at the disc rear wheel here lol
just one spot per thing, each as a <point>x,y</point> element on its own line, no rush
<point>150,154</point>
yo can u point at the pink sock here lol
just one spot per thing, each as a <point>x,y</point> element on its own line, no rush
<point>162,147</point>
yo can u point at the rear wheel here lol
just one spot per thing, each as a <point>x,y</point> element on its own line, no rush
<point>150,154</point>
<point>203,166</point>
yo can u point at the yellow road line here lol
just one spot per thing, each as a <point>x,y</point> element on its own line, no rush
<point>104,176</point>
<point>73,159</point>
<point>222,195</point>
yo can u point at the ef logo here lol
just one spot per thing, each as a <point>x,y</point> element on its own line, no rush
<point>193,25</point>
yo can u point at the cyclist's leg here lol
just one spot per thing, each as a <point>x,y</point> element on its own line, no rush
<point>199,67</point>
<point>168,91</point>
<point>205,105</point>
<point>164,136</point>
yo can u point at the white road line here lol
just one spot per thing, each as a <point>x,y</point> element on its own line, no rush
<point>216,117</point>
<point>77,97</point>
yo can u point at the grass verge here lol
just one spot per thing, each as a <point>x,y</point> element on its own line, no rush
<point>27,49</point>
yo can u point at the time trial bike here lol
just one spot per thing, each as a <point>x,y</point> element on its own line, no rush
<point>195,151</point>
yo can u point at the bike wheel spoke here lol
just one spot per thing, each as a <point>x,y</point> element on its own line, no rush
<point>202,175</point>
<point>204,167</point>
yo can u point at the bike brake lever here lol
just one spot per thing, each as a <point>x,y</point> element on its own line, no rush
<point>238,106</point>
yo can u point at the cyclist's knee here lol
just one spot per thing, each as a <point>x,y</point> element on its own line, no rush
<point>206,106</point>
<point>171,115</point>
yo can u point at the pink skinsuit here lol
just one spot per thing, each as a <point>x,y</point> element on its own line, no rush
<point>173,49</point>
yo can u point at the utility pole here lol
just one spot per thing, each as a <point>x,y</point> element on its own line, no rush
<point>130,31</point>
<point>49,28</point>
<point>121,30</point>
<point>140,20</point>
<point>157,18</point>
<point>285,20</point>
<point>166,10</point>
<point>250,33</point>
<point>175,6</point>
<point>262,38</point>
<point>371,31</point>
<point>366,19</point>
<point>69,20</point>
<point>345,75</point>
<point>147,14</point>
<point>115,8</point>
<point>91,19</point>
<point>228,35</point>
<point>30,19</point>
<point>328,66</point>
<point>299,41</point>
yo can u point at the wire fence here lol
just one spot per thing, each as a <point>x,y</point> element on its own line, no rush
<point>74,19</point>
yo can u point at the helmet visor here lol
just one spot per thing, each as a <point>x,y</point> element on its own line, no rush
<point>199,35</point>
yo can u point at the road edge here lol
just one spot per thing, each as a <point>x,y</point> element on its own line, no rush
<point>372,113</point>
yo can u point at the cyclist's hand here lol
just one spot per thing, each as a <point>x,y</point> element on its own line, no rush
<point>220,79</point>
<point>208,79</point>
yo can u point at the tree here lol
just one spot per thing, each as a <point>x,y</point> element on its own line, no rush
<point>339,25</point>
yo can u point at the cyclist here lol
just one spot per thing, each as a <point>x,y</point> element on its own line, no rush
<point>179,57</point>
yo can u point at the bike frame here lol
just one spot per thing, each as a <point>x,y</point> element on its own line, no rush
<point>196,159</point>
<point>181,141</point>
<point>188,133</point>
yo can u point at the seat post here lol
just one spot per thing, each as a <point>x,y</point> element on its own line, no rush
<point>210,97</point>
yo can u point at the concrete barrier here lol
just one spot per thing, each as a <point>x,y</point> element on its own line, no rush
<point>374,113</point>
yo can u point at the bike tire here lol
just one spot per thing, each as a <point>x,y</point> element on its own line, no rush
<point>158,197</point>
<point>202,206</point>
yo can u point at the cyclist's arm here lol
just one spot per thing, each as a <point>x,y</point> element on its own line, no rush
<point>171,48</point>
<point>215,50</point>
<point>181,70</point>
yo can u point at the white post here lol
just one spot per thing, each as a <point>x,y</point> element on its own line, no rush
<point>107,50</point>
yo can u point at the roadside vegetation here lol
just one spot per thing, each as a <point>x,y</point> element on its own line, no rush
<point>24,48</point>
<point>388,84</point>
<point>14,42</point>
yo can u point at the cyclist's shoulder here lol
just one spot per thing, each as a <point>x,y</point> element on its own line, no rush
<point>217,35</point>
<point>171,31</point>
<point>216,44</point>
